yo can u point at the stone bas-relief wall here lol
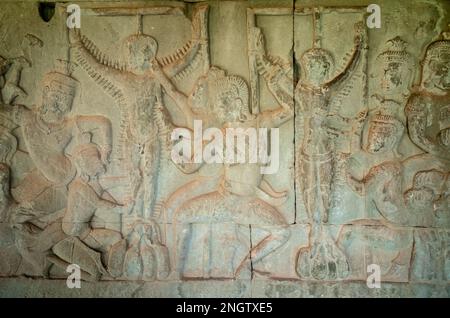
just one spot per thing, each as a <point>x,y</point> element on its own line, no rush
<point>87,176</point>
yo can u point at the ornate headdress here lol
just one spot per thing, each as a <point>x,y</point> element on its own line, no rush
<point>395,52</point>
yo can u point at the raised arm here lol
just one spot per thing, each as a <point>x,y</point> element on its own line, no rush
<point>106,73</point>
<point>353,61</point>
<point>197,46</point>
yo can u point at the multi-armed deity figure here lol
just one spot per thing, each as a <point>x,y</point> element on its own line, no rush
<point>239,201</point>
<point>139,98</point>
<point>314,153</point>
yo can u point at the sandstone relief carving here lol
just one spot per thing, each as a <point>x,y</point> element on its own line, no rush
<point>314,153</point>
<point>245,203</point>
<point>360,174</point>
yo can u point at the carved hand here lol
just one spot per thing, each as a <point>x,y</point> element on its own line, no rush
<point>257,43</point>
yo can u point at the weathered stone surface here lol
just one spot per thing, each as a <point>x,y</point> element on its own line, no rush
<point>115,149</point>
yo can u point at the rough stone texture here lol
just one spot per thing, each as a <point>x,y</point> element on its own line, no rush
<point>87,173</point>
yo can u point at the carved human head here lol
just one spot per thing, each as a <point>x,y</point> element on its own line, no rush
<point>382,133</point>
<point>316,65</point>
<point>395,67</point>
<point>87,159</point>
<point>58,94</point>
<point>140,51</point>
<point>8,146</point>
<point>222,95</point>
<point>427,187</point>
<point>436,66</point>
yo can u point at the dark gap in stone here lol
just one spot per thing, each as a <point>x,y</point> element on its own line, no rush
<point>294,82</point>
<point>46,10</point>
<point>251,247</point>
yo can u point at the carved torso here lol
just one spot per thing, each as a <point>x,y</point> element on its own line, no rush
<point>313,109</point>
<point>142,95</point>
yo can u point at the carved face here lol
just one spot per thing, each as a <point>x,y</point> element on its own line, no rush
<point>382,137</point>
<point>436,74</point>
<point>316,67</point>
<point>140,52</point>
<point>55,105</point>
<point>392,77</point>
<point>419,198</point>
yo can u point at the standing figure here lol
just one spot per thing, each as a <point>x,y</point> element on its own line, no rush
<point>139,97</point>
<point>314,153</point>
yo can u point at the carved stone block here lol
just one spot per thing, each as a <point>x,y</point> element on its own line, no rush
<point>240,148</point>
